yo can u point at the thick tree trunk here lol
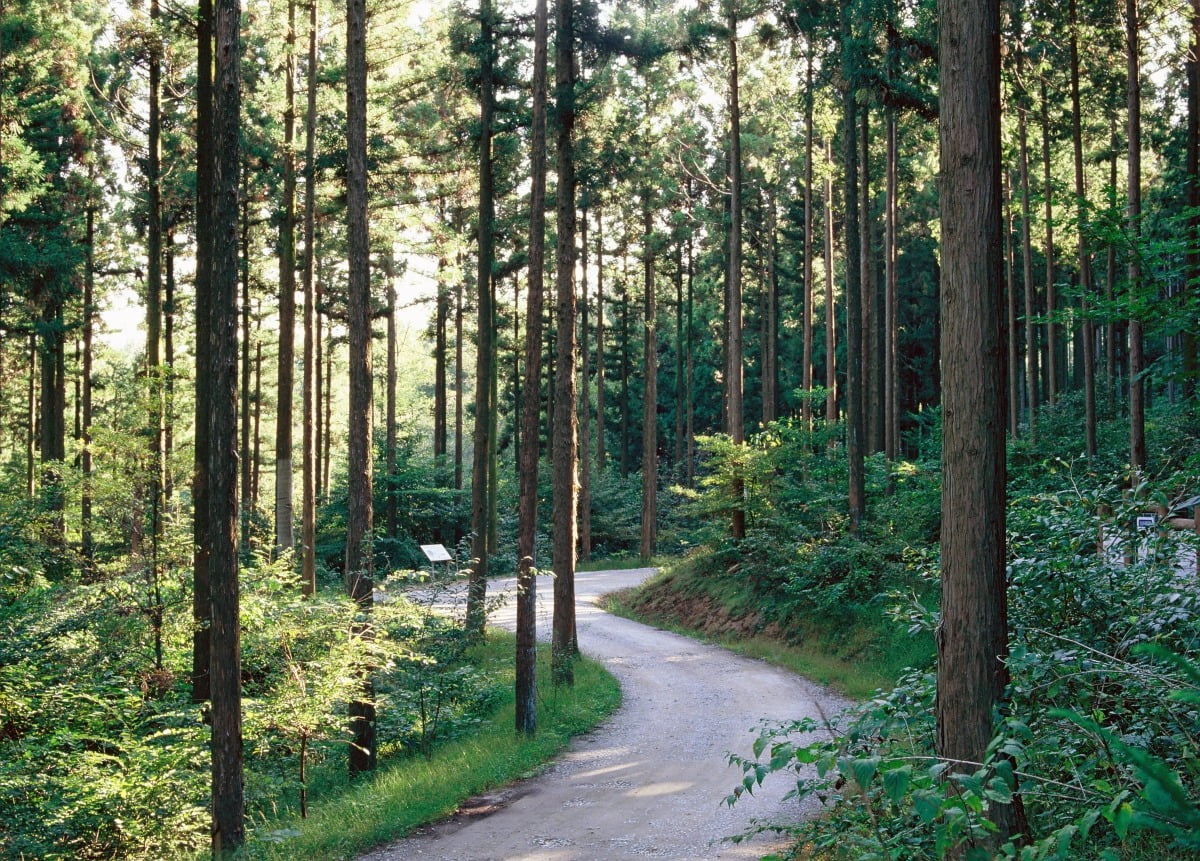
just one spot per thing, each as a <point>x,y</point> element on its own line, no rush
<point>246,421</point>
<point>228,832</point>
<point>485,348</point>
<point>530,448</point>
<point>359,566</point>
<point>285,537</point>
<point>973,635</point>
<point>205,250</point>
<point>564,641</point>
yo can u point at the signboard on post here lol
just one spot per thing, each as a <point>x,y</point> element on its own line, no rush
<point>436,553</point>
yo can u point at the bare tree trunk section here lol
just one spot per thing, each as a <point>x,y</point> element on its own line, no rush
<point>1031,345</point>
<point>806,404</point>
<point>359,566</point>
<point>600,450</point>
<point>228,800</point>
<point>1053,369</point>
<point>973,636</point>
<point>831,410</point>
<point>650,393</point>
<point>891,374</point>
<point>1137,390</point>
<point>585,397</point>
<point>1191,364</point>
<point>485,349</point>
<point>1010,302</point>
<point>1085,261</point>
<point>530,449</point>
<point>393,511</point>
<point>308,504</point>
<point>564,641</point>
<point>205,250</point>
<point>856,503</point>
<point>734,382</point>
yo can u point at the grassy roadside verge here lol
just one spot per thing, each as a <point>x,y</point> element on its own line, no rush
<point>411,792</point>
<point>856,659</point>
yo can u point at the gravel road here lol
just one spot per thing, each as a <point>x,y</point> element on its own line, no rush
<point>650,781</point>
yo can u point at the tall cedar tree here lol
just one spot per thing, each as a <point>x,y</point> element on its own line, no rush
<point>1137,361</point>
<point>285,538</point>
<point>851,58</point>
<point>225,671</point>
<point>973,635</point>
<point>308,504</point>
<point>734,380</point>
<point>564,643</point>
<point>485,343</point>
<point>526,664</point>
<point>205,227</point>
<point>359,552</point>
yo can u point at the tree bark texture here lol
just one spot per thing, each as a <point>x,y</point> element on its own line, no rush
<point>359,568</point>
<point>1137,391</point>
<point>856,491</point>
<point>530,447</point>
<point>972,636</point>
<point>228,798</point>
<point>285,537</point>
<point>564,643</point>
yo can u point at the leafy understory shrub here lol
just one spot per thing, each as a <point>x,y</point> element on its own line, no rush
<point>1101,734</point>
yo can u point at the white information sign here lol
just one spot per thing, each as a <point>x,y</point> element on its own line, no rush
<point>436,553</point>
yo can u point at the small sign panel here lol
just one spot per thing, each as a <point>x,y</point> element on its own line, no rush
<point>436,553</point>
<point>1145,521</point>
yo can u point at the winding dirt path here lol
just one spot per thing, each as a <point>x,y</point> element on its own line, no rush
<point>649,783</point>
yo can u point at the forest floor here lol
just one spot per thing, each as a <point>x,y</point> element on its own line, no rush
<point>650,782</point>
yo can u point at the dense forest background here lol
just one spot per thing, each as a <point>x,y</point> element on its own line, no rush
<point>735,353</point>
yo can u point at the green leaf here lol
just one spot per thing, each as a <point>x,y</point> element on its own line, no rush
<point>1121,817</point>
<point>896,782</point>
<point>927,805</point>
<point>865,770</point>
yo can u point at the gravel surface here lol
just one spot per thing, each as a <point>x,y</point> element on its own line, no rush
<point>649,783</point>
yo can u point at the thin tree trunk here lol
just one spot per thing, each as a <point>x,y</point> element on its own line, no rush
<point>285,537</point>
<point>831,410</point>
<point>1010,302</point>
<point>600,452</point>
<point>1031,346</point>
<point>1053,370</point>
<point>247,489</point>
<point>734,382</point>
<point>88,544</point>
<point>891,372</point>
<point>854,324</point>
<point>680,382</point>
<point>1137,391</point>
<point>585,398</point>
<point>1191,364</point>
<point>1085,262</point>
<point>459,385</point>
<point>393,512</point>
<point>308,517</point>
<point>806,404</point>
<point>650,392</point>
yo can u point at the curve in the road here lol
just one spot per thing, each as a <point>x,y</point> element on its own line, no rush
<point>650,782</point>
